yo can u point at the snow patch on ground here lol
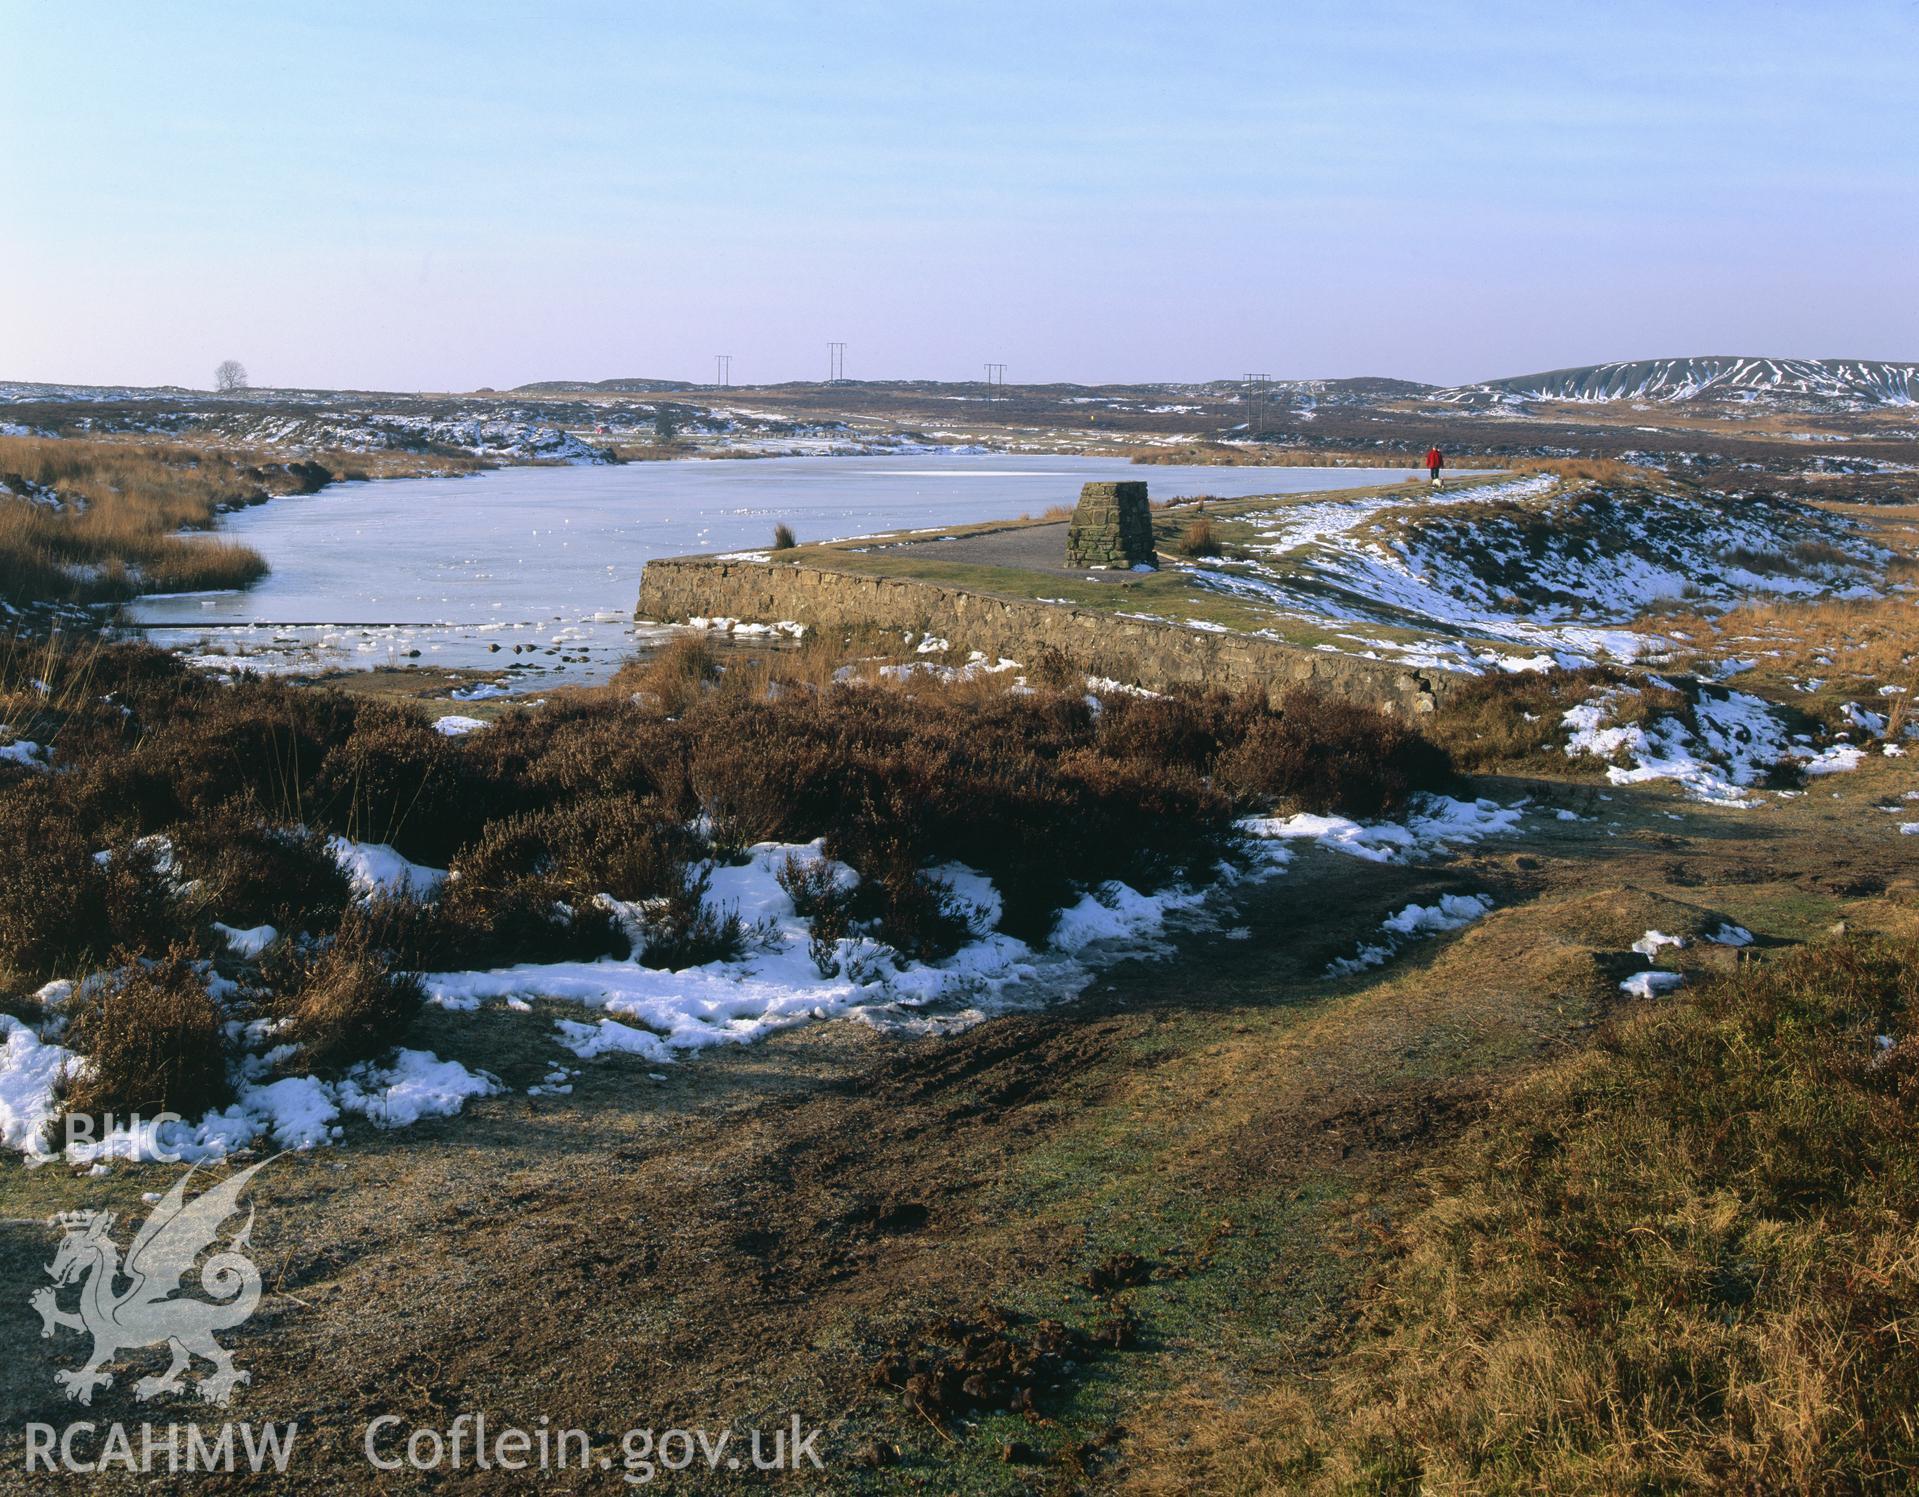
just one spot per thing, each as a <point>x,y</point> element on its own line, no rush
<point>375,868</point>
<point>1650,944</point>
<point>30,1072</point>
<point>481,691</point>
<point>292,1112</point>
<point>23,751</point>
<point>1116,912</point>
<point>977,664</point>
<point>1415,922</point>
<point>777,983</point>
<point>1737,742</point>
<point>1841,758</point>
<point>1433,824</point>
<point>1453,912</point>
<point>611,1037</point>
<point>415,1084</point>
<point>247,943</point>
<point>1650,984</point>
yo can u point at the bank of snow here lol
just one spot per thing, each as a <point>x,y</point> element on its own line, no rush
<point>375,868</point>
<point>286,1112</point>
<point>1433,824</point>
<point>1545,572</point>
<point>779,982</point>
<point>1734,743</point>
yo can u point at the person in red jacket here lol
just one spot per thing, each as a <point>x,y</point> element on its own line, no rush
<point>1435,460</point>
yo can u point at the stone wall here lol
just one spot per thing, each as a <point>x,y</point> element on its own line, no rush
<point>1136,651</point>
<point>1112,527</point>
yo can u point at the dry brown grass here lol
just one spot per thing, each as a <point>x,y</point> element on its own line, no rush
<point>1573,469</point>
<point>344,1002</point>
<point>673,679</point>
<point>1213,454</point>
<point>1685,1259</point>
<point>1863,640</point>
<point>116,533</point>
<point>1198,538</point>
<point>1515,721</point>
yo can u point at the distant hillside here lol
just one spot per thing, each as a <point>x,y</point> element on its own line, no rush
<point>1793,384</point>
<point>611,386</point>
<point>1362,390</point>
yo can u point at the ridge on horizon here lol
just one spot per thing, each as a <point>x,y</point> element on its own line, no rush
<point>1668,379</point>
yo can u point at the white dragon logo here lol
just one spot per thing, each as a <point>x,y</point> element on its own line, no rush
<point>147,1312</point>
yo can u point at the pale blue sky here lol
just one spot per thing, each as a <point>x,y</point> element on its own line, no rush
<point>444,196</point>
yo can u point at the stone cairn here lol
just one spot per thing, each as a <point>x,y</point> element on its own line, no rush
<point>1112,527</point>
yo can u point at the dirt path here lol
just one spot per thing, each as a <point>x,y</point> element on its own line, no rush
<point>742,1241</point>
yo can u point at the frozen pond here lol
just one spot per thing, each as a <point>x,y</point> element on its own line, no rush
<point>549,559</point>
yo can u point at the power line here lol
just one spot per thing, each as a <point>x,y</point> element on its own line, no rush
<point>722,369</point>
<point>835,363</point>
<point>995,381</point>
<point>1257,397</point>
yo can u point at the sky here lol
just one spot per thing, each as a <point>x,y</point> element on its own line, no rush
<point>448,196</point>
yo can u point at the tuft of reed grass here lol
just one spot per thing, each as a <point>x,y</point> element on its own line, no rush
<point>104,519</point>
<point>344,1002</point>
<point>675,677</point>
<point>1198,539</point>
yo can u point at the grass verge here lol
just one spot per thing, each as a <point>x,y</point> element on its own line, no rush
<point>1686,1259</point>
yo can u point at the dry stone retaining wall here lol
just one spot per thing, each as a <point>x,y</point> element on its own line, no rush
<point>1137,651</point>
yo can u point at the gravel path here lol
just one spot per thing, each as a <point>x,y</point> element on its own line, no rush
<point>1031,548</point>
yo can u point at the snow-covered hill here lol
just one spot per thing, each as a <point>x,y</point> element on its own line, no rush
<point>1789,384</point>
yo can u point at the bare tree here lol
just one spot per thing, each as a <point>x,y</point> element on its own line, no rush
<point>230,377</point>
